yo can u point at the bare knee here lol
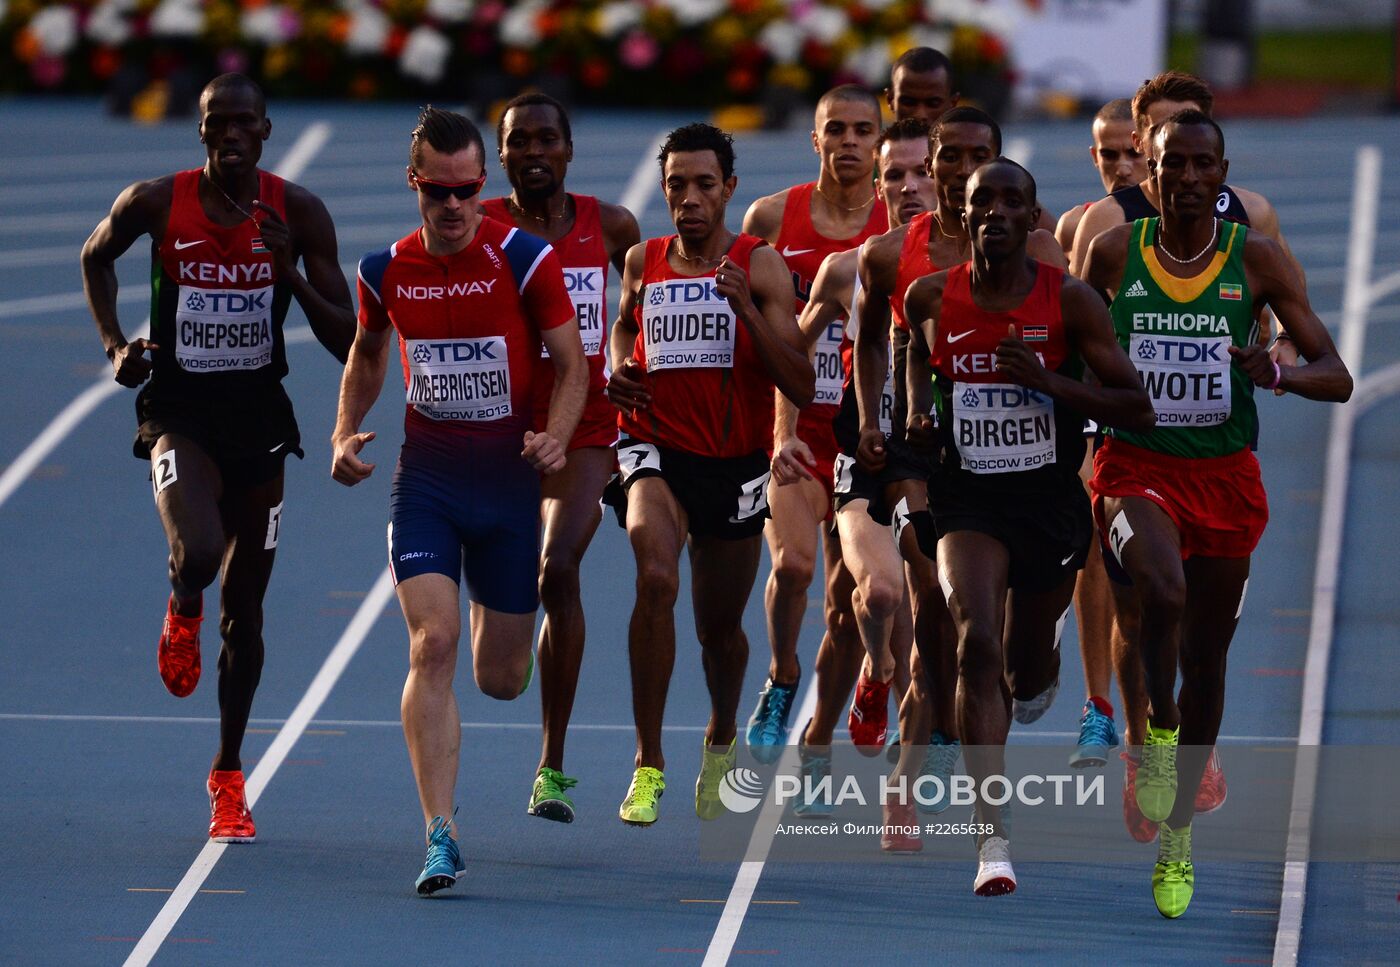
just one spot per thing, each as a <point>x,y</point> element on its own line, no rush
<point>432,653</point>
<point>1163,596</point>
<point>793,571</point>
<point>979,656</point>
<point>502,680</point>
<point>879,595</point>
<point>657,583</point>
<point>195,561</point>
<point>558,578</point>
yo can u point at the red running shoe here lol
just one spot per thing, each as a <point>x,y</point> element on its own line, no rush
<point>1139,826</point>
<point>901,832</point>
<point>177,655</point>
<point>1210,794</point>
<point>230,821</point>
<point>870,715</point>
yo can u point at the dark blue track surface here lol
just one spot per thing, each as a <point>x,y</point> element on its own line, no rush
<point>103,805</point>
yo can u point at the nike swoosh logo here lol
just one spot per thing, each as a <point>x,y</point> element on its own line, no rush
<point>1066,561</point>
<point>790,252</point>
<point>179,245</point>
<point>276,448</point>
<point>585,238</point>
<point>953,339</point>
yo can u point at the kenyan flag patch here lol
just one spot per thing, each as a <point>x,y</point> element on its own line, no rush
<point>1035,333</point>
<point>260,249</point>
<point>1231,292</point>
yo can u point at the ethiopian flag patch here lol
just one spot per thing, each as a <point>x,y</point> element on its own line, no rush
<point>1231,291</point>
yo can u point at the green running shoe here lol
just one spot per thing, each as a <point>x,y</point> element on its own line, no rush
<point>713,768</point>
<point>548,800</point>
<point>529,675</point>
<point>1156,777</point>
<point>639,806</point>
<point>1173,878</point>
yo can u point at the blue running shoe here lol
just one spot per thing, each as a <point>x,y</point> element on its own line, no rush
<point>768,726</point>
<point>816,766</point>
<point>939,760</point>
<point>444,861</point>
<point>1097,735</point>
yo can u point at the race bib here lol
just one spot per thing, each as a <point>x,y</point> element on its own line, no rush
<point>638,458</point>
<point>220,330</point>
<point>887,398</point>
<point>585,288</point>
<point>1188,379</point>
<point>753,498</point>
<point>686,324</point>
<point>459,379</point>
<point>842,474</point>
<point>827,363</point>
<point>1003,427</point>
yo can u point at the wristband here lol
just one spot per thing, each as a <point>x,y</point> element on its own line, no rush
<point>1278,377</point>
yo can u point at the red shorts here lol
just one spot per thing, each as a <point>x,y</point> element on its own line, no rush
<point>814,429</point>
<point>1218,504</point>
<point>597,427</point>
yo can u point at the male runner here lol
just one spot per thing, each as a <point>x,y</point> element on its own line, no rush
<point>1120,165</point>
<point>470,299</point>
<point>704,332</point>
<point>878,598</point>
<point>1158,99</point>
<point>805,224</point>
<point>535,145</point>
<point>921,85</point>
<point>1005,339</point>
<point>960,141</point>
<point>214,420</point>
<point>1182,507</point>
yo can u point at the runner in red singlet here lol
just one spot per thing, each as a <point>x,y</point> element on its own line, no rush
<point>535,144</point>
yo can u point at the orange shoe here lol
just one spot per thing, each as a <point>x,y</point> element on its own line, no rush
<point>230,822</point>
<point>177,655</point>
<point>1139,826</point>
<point>869,717</point>
<point>1210,794</point>
<point>901,832</point>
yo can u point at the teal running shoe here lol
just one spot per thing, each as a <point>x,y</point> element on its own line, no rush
<point>1097,736</point>
<point>815,766</point>
<point>444,862</point>
<point>767,731</point>
<point>939,760</point>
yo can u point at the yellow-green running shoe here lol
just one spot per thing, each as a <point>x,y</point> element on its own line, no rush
<point>713,768</point>
<point>1156,777</point>
<point>639,806</point>
<point>548,800</point>
<point>1173,878</point>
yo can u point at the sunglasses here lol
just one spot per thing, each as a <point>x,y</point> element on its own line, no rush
<point>439,191</point>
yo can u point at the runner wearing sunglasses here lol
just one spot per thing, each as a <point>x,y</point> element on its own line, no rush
<point>471,301</point>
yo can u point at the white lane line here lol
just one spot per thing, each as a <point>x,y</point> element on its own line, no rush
<point>746,881</point>
<point>63,301</point>
<point>645,179</point>
<point>291,166</point>
<point>355,633</point>
<point>1356,300</point>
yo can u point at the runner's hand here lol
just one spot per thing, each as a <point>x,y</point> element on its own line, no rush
<point>1016,360</point>
<point>791,460</point>
<point>1285,353</point>
<point>921,431</point>
<point>870,452</point>
<point>627,387</point>
<point>732,282</point>
<point>346,465</point>
<point>1257,365</point>
<point>129,363</point>
<point>277,238</point>
<point>543,452</point>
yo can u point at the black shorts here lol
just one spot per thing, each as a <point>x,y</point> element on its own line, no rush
<point>724,497</point>
<point>247,439</point>
<point>851,482</point>
<point>1047,533</point>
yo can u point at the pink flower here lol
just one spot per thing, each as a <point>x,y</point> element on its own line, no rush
<point>48,71</point>
<point>638,51</point>
<point>231,60</point>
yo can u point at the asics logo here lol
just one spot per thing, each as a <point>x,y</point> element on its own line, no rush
<point>952,339</point>
<point>790,252</point>
<point>181,246</point>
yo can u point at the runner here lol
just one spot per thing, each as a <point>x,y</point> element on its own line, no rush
<point>1158,99</point>
<point>704,331</point>
<point>879,597</point>
<point>471,300</point>
<point>214,420</point>
<point>1005,340</point>
<point>806,223</point>
<point>1120,165</point>
<point>1182,507</point>
<point>921,85</point>
<point>535,144</point>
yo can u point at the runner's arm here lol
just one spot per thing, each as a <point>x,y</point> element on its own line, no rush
<point>1101,216</point>
<point>322,293</point>
<point>139,210</point>
<point>360,385</point>
<point>1066,227</point>
<point>1041,246</point>
<point>922,305</point>
<point>871,353</point>
<point>570,381</point>
<point>763,302</point>
<point>1273,280</point>
<point>792,457</point>
<point>627,386</point>
<point>620,233</point>
<point>764,218</point>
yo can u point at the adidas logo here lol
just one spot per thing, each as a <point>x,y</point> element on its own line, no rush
<point>1136,289</point>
